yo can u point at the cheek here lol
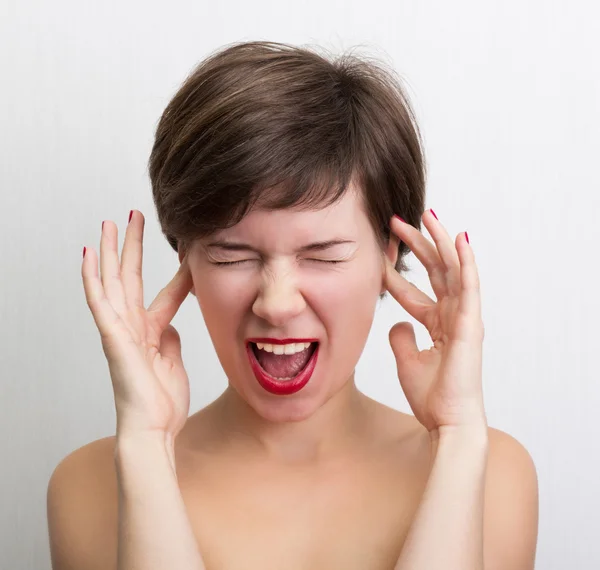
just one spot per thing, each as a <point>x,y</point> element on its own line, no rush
<point>220,293</point>
<point>345,304</point>
<point>348,296</point>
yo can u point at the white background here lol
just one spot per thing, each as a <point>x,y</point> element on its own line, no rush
<point>507,94</point>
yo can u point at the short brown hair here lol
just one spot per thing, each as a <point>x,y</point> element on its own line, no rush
<point>272,125</point>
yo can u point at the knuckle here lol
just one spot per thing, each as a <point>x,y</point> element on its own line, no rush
<point>136,271</point>
<point>481,330</point>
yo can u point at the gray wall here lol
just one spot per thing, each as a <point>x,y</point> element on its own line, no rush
<point>507,94</point>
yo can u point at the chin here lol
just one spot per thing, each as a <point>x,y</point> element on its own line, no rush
<point>293,408</point>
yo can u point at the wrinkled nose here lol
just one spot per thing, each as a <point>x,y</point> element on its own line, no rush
<point>278,301</point>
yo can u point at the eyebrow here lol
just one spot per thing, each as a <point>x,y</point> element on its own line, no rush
<point>315,246</point>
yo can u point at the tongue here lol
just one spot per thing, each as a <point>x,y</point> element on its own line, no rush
<point>283,365</point>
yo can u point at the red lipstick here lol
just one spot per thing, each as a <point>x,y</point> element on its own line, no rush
<point>273,385</point>
<point>281,340</point>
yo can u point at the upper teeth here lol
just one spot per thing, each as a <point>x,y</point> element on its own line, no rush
<point>283,348</point>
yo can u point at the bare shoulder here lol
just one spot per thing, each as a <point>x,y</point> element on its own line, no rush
<point>82,508</point>
<point>510,465</point>
<point>511,504</point>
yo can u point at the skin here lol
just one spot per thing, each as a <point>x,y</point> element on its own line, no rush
<point>344,475</point>
<point>276,292</point>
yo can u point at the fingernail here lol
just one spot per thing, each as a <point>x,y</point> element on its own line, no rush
<point>433,214</point>
<point>397,216</point>
<point>130,214</point>
<point>467,236</point>
<point>84,251</point>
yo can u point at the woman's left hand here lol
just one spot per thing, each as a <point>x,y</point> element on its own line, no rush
<point>443,383</point>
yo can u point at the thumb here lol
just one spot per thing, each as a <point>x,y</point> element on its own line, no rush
<point>170,344</point>
<point>404,345</point>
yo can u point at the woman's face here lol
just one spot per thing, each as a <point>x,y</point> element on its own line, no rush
<point>280,290</point>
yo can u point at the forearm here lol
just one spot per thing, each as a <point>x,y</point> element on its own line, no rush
<point>447,532</point>
<point>154,529</point>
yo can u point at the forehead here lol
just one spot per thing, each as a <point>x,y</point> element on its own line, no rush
<point>345,218</point>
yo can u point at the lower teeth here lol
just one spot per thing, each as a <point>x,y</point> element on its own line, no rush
<point>286,378</point>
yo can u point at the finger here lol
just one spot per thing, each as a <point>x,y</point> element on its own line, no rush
<point>469,305</point>
<point>131,261</point>
<point>425,252</point>
<point>167,302</point>
<point>106,318</point>
<point>407,354</point>
<point>110,268</point>
<point>446,250</point>
<point>170,344</point>
<point>411,298</point>
<point>404,345</point>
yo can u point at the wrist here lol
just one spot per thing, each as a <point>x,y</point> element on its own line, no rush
<point>141,437</point>
<point>473,436</point>
<point>473,430</point>
<point>132,444</point>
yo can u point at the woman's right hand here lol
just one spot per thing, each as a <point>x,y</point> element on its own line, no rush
<point>143,350</point>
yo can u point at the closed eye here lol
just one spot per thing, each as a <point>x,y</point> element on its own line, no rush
<point>230,262</point>
<point>244,260</point>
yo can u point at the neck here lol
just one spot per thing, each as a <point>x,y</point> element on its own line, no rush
<point>330,431</point>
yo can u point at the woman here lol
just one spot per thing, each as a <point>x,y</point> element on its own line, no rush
<point>280,177</point>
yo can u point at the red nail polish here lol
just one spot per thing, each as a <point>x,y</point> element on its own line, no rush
<point>401,219</point>
<point>130,214</point>
<point>433,214</point>
<point>467,236</point>
<point>84,251</point>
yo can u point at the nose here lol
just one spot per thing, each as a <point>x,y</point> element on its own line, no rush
<point>279,300</point>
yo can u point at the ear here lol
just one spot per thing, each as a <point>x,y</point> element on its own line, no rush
<point>391,252</point>
<point>181,255</point>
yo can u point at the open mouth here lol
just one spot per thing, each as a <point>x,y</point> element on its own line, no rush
<point>283,369</point>
<point>286,365</point>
